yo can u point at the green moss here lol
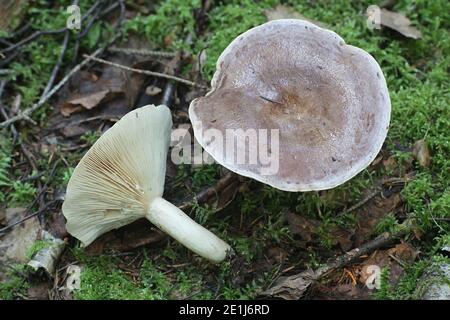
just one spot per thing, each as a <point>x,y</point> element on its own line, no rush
<point>387,224</point>
<point>205,175</point>
<point>23,193</point>
<point>169,26</point>
<point>102,280</point>
<point>226,22</point>
<point>417,77</point>
<point>90,137</point>
<point>36,247</point>
<point>15,284</point>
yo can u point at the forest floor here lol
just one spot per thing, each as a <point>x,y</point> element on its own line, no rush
<point>404,194</point>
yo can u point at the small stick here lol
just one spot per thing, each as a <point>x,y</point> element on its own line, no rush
<point>363,201</point>
<point>57,65</point>
<point>144,52</point>
<point>26,113</point>
<point>146,72</point>
<point>30,38</point>
<point>40,33</point>
<point>5,114</point>
<point>29,216</point>
<point>294,287</point>
<point>207,193</point>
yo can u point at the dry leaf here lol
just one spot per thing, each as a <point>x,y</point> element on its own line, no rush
<point>342,237</point>
<point>422,153</point>
<point>390,163</point>
<point>277,255</point>
<point>88,90</point>
<point>87,101</point>
<point>39,291</point>
<point>395,258</point>
<point>301,226</point>
<point>393,20</point>
<point>371,213</point>
<point>404,252</point>
<point>15,244</point>
<point>291,288</point>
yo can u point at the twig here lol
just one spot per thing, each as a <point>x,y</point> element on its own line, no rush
<point>44,188</point>
<point>168,94</point>
<point>19,31</point>
<point>295,286</point>
<point>171,68</point>
<point>363,201</point>
<point>32,37</point>
<point>146,72</point>
<point>441,219</point>
<point>91,21</point>
<point>400,262</point>
<point>6,71</point>
<point>29,216</point>
<point>10,58</point>
<point>209,192</point>
<point>5,114</point>
<point>113,7</point>
<point>40,33</point>
<point>144,52</point>
<point>57,65</point>
<point>376,191</point>
<point>26,113</point>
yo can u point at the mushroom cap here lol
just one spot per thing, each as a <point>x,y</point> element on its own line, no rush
<point>120,175</point>
<point>329,101</point>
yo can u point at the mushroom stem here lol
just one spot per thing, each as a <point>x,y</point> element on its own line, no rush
<point>178,225</point>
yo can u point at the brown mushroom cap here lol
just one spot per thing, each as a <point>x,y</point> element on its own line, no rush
<point>329,101</point>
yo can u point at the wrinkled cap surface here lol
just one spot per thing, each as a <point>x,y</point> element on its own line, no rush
<point>328,100</point>
<point>120,175</point>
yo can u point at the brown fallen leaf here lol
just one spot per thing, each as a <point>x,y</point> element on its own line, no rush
<point>301,226</point>
<point>15,244</point>
<point>341,291</point>
<point>393,20</point>
<point>285,12</point>
<point>421,153</point>
<point>87,90</point>
<point>293,289</point>
<point>390,163</point>
<point>277,255</point>
<point>395,259</point>
<point>87,101</point>
<point>342,237</point>
<point>39,291</point>
<point>404,252</point>
<point>371,213</point>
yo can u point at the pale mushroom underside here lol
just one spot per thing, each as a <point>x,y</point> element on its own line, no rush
<point>118,177</point>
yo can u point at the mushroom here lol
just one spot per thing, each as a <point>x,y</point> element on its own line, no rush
<point>326,101</point>
<point>121,179</point>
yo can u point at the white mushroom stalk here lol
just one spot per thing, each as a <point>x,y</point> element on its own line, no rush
<point>121,179</point>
